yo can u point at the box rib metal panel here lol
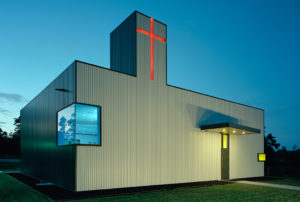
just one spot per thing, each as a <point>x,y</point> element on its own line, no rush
<point>150,131</point>
<point>123,47</point>
<point>40,157</point>
<point>151,135</point>
<point>144,52</point>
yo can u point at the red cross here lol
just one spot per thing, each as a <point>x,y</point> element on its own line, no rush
<point>151,44</point>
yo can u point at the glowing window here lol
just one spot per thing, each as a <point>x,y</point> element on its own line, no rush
<point>261,157</point>
<point>225,141</point>
<point>78,124</point>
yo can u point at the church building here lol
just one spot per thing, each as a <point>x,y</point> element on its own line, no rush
<point>95,128</point>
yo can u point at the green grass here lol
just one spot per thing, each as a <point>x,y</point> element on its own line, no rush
<point>230,192</point>
<point>294,181</point>
<point>13,190</point>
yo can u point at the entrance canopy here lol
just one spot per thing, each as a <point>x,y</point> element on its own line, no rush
<point>230,128</point>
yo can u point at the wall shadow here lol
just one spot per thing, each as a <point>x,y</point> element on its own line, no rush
<point>200,116</point>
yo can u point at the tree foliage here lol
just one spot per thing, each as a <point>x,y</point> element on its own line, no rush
<point>280,161</point>
<point>271,144</point>
<point>271,147</point>
<point>10,142</point>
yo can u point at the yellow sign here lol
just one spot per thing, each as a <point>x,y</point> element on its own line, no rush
<point>262,157</point>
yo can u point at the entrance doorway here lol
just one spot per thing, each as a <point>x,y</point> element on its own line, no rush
<point>224,156</point>
<point>226,129</point>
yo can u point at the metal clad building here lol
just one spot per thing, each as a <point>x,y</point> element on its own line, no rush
<point>150,133</point>
<point>40,156</point>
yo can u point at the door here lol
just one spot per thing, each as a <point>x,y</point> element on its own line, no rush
<point>224,156</point>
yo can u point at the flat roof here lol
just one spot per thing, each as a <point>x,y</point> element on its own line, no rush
<point>230,128</point>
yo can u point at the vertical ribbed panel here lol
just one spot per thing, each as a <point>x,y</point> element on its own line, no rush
<point>143,22</point>
<point>244,149</point>
<point>40,157</point>
<point>160,29</point>
<point>144,52</point>
<point>150,131</point>
<point>151,135</point>
<point>123,47</point>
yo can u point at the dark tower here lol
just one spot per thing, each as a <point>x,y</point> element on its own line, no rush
<point>138,48</point>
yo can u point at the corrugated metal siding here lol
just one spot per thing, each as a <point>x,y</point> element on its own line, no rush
<point>142,22</point>
<point>150,131</point>
<point>151,135</point>
<point>160,29</point>
<point>144,54</point>
<point>123,47</point>
<point>40,157</point>
<point>244,150</point>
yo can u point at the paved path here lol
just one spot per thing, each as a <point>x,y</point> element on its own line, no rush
<point>270,185</point>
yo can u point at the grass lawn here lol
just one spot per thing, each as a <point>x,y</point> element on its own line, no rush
<point>13,190</point>
<point>230,192</point>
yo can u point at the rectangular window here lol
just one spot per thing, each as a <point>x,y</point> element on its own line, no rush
<point>261,157</point>
<point>79,124</point>
<point>225,141</point>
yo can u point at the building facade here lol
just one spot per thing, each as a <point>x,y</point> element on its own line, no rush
<point>96,128</point>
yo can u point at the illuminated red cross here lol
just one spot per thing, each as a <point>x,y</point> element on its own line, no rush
<point>151,44</point>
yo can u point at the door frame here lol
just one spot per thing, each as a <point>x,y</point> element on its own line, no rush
<point>225,156</point>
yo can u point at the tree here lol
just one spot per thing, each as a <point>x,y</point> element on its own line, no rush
<point>16,135</point>
<point>3,134</point>
<point>3,137</point>
<point>17,130</point>
<point>295,147</point>
<point>271,146</point>
<point>280,161</point>
<point>10,143</point>
<point>283,149</point>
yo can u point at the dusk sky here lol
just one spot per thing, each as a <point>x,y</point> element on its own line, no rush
<point>243,51</point>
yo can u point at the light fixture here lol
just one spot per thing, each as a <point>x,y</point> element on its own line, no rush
<point>224,130</point>
<point>233,131</point>
<point>261,157</point>
<point>243,132</point>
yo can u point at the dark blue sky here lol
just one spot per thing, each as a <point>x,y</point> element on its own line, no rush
<point>243,51</point>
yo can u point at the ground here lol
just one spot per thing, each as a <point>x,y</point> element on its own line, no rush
<point>291,180</point>
<point>230,192</point>
<point>13,190</point>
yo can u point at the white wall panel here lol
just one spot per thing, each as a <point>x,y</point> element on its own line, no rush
<point>151,135</point>
<point>150,130</point>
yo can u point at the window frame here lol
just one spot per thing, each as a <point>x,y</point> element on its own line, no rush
<point>56,135</point>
